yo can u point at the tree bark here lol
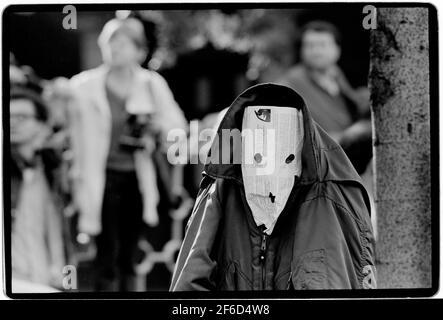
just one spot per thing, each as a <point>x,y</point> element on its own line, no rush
<point>399,84</point>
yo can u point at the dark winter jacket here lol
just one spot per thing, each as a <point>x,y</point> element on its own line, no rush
<point>322,240</point>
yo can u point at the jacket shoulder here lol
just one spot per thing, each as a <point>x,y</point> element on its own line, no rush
<point>349,195</point>
<point>294,74</point>
<point>155,77</point>
<point>86,76</point>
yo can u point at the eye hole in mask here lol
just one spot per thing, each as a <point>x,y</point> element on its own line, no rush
<point>290,158</point>
<point>258,157</point>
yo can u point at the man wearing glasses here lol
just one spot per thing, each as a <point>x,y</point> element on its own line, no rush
<point>37,251</point>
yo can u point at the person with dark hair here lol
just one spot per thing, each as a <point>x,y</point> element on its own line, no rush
<point>122,112</point>
<point>37,244</point>
<point>323,26</point>
<point>334,104</point>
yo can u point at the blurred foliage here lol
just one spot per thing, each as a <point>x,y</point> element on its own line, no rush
<point>180,31</point>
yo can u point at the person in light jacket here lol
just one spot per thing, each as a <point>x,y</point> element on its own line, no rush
<point>121,109</point>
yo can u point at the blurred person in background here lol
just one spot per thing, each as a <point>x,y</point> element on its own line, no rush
<point>334,103</point>
<point>122,113</point>
<point>37,236</point>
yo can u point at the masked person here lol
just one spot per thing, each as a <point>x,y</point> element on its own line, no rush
<point>287,212</point>
<point>122,111</point>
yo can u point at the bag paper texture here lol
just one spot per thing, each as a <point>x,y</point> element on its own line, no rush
<point>271,159</point>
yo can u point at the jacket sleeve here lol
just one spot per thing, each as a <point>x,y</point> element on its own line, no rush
<point>78,131</point>
<point>169,113</point>
<point>334,245</point>
<point>356,204</point>
<point>194,269</point>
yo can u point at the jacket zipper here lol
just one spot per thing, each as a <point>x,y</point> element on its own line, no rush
<point>262,258</point>
<point>288,284</point>
<point>264,237</point>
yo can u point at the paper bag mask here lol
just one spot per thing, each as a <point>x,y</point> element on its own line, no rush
<point>271,159</point>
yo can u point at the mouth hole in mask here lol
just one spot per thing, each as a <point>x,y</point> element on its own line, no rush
<point>272,197</point>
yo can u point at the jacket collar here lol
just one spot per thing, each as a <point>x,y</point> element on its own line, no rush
<point>139,100</point>
<point>322,158</point>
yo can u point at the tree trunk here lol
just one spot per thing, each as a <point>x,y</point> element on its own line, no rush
<point>399,84</point>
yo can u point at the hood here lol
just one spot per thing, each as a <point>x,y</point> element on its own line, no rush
<point>322,158</point>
